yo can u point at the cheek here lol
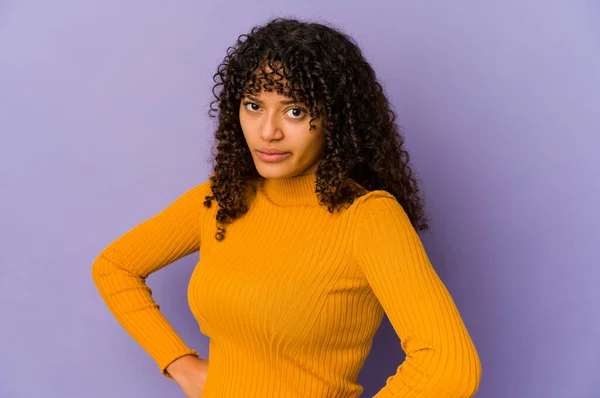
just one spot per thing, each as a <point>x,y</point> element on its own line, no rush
<point>315,143</point>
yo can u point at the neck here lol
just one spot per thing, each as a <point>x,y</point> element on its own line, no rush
<point>290,191</point>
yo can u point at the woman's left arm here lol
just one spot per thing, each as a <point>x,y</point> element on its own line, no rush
<point>441,360</point>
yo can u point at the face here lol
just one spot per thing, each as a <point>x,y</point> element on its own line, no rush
<point>271,121</point>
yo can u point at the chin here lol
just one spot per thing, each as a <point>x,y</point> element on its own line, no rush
<point>274,171</point>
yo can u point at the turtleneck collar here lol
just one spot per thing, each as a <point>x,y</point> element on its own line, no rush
<point>290,191</point>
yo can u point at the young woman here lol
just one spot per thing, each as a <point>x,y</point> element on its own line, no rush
<point>306,232</point>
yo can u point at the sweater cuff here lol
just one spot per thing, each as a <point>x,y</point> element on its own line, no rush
<point>163,366</point>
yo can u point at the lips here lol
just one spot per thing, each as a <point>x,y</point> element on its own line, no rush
<point>273,157</point>
<point>271,151</point>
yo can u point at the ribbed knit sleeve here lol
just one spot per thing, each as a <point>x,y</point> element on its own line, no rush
<point>120,270</point>
<point>441,360</point>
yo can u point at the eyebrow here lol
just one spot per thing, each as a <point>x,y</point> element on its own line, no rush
<point>286,102</point>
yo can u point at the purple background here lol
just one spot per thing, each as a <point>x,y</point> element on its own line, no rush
<point>103,123</point>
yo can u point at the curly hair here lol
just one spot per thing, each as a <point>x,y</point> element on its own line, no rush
<point>311,63</point>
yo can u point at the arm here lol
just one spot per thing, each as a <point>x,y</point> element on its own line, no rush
<point>441,360</point>
<point>121,269</point>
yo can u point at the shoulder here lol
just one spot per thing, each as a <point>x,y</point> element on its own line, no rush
<point>203,188</point>
<point>375,202</point>
<point>378,209</point>
<point>195,195</point>
<point>380,218</point>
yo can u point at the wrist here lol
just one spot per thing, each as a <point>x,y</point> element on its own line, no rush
<point>179,365</point>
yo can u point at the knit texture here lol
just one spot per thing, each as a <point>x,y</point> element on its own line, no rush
<point>293,296</point>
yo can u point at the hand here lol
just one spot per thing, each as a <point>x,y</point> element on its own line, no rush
<point>190,373</point>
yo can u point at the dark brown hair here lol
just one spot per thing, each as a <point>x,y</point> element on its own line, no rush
<point>311,63</point>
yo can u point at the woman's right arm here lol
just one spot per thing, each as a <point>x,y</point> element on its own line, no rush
<point>121,269</point>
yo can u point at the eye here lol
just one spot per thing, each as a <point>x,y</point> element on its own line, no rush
<point>296,113</point>
<point>253,107</point>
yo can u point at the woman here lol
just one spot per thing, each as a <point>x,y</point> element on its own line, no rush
<point>307,233</point>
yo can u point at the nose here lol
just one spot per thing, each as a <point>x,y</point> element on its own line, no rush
<point>271,128</point>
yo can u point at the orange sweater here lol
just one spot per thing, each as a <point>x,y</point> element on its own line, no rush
<point>293,296</point>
